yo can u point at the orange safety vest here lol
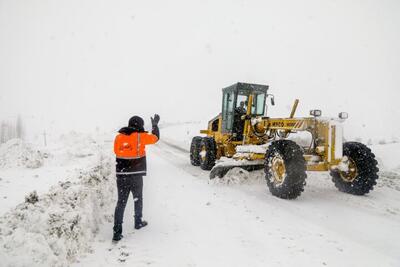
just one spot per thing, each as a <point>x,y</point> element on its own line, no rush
<point>134,145</point>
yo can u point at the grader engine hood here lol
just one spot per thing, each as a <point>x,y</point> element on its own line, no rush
<point>327,134</point>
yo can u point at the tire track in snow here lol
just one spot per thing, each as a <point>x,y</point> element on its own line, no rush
<point>179,157</point>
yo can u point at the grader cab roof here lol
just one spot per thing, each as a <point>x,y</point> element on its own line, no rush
<point>250,87</point>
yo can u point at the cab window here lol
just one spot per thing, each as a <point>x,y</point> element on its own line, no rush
<point>258,104</point>
<point>228,110</point>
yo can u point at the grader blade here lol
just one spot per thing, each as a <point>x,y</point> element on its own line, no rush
<point>221,170</point>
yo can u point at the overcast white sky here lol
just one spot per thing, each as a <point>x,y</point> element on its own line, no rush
<point>75,65</point>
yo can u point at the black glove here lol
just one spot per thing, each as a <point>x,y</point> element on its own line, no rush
<point>155,120</point>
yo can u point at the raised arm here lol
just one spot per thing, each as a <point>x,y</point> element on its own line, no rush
<point>149,138</point>
<point>154,123</point>
<point>156,131</point>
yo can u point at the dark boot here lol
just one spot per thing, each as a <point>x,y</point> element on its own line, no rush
<point>117,232</point>
<point>139,223</point>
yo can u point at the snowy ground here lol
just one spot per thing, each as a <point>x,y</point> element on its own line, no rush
<point>194,221</point>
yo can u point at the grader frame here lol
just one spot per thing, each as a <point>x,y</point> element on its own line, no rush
<point>326,134</point>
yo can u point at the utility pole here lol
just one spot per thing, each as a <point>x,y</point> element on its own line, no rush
<point>3,132</point>
<point>19,128</point>
<point>44,138</point>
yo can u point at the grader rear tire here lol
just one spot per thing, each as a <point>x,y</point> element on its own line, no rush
<point>285,169</point>
<point>195,151</point>
<point>363,170</point>
<point>208,153</point>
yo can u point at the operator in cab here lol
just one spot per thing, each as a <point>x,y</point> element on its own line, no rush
<point>238,123</point>
<point>241,110</point>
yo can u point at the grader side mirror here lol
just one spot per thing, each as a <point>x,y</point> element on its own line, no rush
<point>272,99</point>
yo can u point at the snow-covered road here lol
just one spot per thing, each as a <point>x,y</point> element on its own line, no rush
<point>195,222</point>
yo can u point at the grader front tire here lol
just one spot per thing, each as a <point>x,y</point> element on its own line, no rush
<point>195,151</point>
<point>285,169</point>
<point>208,152</point>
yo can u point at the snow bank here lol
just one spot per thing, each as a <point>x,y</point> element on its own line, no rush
<point>17,153</point>
<point>73,147</point>
<point>78,145</point>
<point>53,229</point>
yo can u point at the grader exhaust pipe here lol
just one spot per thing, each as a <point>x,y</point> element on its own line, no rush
<point>294,108</point>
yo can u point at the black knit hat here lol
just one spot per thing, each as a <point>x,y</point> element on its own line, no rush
<point>136,122</point>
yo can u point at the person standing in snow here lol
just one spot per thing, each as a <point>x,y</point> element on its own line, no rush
<point>130,151</point>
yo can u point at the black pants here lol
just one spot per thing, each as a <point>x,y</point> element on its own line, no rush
<point>125,185</point>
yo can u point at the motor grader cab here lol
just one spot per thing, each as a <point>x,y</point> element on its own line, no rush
<point>242,136</point>
<point>235,104</point>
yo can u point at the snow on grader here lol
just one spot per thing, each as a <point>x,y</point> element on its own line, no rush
<point>242,136</point>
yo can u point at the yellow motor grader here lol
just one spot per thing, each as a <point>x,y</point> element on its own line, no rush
<point>244,136</point>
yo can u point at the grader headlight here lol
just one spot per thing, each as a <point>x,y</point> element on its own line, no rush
<point>316,113</point>
<point>343,115</point>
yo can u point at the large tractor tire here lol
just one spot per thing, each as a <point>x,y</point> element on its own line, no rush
<point>362,172</point>
<point>285,169</point>
<point>195,151</point>
<point>208,153</point>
